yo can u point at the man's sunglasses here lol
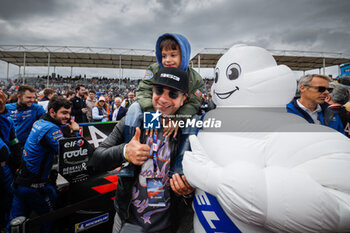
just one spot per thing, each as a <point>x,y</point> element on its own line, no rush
<point>173,94</point>
<point>320,88</point>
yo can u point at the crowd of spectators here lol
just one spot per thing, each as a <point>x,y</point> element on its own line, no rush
<point>108,87</point>
<point>61,85</point>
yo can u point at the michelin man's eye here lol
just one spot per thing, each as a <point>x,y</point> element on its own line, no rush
<point>216,75</point>
<point>233,71</point>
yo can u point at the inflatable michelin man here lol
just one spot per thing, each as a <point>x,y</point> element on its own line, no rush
<point>265,170</point>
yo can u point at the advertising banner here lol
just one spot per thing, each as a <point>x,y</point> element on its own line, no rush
<point>73,157</point>
<point>74,152</point>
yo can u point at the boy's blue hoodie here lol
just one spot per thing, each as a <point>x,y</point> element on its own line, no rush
<point>185,48</point>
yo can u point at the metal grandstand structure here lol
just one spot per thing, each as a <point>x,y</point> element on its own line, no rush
<point>99,57</point>
<point>296,60</point>
<point>73,56</point>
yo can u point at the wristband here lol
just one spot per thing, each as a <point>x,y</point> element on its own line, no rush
<point>124,153</point>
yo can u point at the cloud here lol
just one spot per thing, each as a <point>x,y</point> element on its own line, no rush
<point>137,24</point>
<point>17,10</point>
<point>318,25</point>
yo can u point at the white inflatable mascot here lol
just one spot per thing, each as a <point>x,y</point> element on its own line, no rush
<point>265,170</point>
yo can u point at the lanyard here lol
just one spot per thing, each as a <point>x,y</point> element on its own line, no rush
<point>155,151</point>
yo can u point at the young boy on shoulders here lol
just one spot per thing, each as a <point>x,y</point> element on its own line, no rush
<point>172,50</point>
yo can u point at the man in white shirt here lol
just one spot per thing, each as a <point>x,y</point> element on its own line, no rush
<point>314,89</point>
<point>119,111</point>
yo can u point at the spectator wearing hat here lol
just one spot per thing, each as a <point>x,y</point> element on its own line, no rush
<point>166,201</point>
<point>335,110</point>
<point>98,94</point>
<point>99,111</point>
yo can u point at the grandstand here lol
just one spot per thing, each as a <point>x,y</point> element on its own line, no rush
<point>296,60</point>
<point>119,59</point>
<point>72,56</point>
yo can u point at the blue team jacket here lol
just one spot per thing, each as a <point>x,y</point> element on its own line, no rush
<point>40,148</point>
<point>335,123</point>
<point>6,125</point>
<point>24,119</point>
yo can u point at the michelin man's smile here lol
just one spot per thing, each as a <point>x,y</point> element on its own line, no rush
<point>225,95</point>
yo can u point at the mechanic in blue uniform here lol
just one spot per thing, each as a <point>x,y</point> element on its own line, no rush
<point>6,180</point>
<point>25,112</point>
<point>10,152</point>
<point>33,190</point>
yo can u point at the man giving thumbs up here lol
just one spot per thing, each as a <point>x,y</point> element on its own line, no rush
<point>150,201</point>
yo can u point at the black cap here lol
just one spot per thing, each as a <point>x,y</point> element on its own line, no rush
<point>172,77</point>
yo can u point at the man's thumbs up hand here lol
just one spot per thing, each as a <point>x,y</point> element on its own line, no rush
<point>137,153</point>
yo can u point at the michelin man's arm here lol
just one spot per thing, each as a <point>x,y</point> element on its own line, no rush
<point>198,167</point>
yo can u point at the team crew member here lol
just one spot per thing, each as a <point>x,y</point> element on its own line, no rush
<point>25,112</point>
<point>8,136</point>
<point>32,189</point>
<point>9,158</point>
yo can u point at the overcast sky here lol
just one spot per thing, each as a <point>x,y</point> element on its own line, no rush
<point>311,25</point>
